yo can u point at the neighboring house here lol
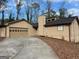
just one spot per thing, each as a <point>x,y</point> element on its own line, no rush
<point>64,28</point>
<point>18,28</point>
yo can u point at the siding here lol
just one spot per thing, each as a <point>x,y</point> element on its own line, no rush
<point>2,32</point>
<point>74,31</point>
<point>55,33</point>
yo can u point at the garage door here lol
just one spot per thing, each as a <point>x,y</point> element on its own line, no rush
<point>18,32</point>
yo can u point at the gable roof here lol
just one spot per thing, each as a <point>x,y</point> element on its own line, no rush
<point>62,21</point>
<point>16,21</point>
<point>12,22</point>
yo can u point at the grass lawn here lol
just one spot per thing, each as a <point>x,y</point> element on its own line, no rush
<point>64,49</point>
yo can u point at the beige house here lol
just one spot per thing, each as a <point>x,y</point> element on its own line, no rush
<point>65,28</point>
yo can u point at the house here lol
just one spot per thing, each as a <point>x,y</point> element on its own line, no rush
<point>18,28</point>
<point>64,28</point>
<point>60,28</point>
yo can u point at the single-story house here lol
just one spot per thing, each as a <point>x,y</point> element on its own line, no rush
<point>62,28</point>
<point>17,28</point>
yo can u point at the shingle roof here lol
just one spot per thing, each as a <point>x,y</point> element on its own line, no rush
<point>62,21</point>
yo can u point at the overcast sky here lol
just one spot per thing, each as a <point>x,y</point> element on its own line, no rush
<point>71,5</point>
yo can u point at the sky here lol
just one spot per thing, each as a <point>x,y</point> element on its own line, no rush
<point>71,5</point>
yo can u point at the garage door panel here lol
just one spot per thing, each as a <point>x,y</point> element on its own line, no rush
<point>18,32</point>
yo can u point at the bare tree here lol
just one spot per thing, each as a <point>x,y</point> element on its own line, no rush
<point>63,10</point>
<point>27,10</point>
<point>18,7</point>
<point>48,7</point>
<point>50,13</point>
<point>35,7</point>
<point>2,8</point>
<point>31,11</point>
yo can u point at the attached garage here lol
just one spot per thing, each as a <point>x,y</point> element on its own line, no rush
<point>18,32</point>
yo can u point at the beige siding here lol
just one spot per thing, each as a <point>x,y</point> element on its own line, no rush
<point>55,33</point>
<point>74,31</point>
<point>7,31</point>
<point>2,32</point>
<point>21,24</point>
<point>32,31</point>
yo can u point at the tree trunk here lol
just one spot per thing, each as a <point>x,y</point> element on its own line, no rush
<point>2,22</point>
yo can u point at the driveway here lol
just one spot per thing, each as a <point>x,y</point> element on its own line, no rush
<point>26,48</point>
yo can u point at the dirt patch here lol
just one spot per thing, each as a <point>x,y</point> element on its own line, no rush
<point>64,49</point>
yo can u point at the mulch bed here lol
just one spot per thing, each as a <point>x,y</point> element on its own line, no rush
<point>64,49</point>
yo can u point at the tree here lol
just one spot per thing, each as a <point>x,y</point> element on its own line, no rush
<point>49,8</point>
<point>52,14</point>
<point>62,12</point>
<point>2,8</point>
<point>18,7</point>
<point>32,11</point>
<point>27,11</point>
<point>35,7</point>
<point>11,18</point>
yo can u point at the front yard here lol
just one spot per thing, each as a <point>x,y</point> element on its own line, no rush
<point>65,50</point>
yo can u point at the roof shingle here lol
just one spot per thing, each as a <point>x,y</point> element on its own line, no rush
<point>63,21</point>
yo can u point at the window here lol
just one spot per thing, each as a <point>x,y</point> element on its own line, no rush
<point>60,28</point>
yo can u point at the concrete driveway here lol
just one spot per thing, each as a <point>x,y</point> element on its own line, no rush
<point>26,48</point>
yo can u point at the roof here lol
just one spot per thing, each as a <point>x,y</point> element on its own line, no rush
<point>16,21</point>
<point>62,21</point>
<point>2,26</point>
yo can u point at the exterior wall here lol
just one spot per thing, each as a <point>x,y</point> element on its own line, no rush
<point>23,24</point>
<point>52,31</point>
<point>7,31</point>
<point>74,31</point>
<point>2,32</point>
<point>32,31</point>
<point>55,33</point>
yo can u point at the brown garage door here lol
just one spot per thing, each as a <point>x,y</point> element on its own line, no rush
<point>18,32</point>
